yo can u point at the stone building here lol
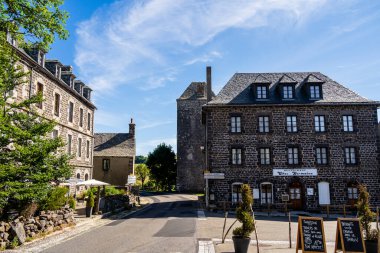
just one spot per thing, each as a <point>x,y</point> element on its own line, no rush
<point>191,136</point>
<point>66,101</point>
<point>300,136</point>
<point>114,156</point>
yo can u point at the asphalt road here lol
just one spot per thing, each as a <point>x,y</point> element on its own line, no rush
<point>167,225</point>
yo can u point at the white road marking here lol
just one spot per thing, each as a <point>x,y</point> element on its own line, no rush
<point>206,247</point>
<point>201,215</point>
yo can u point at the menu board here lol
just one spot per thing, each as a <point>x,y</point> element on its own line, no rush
<point>349,236</point>
<point>310,235</point>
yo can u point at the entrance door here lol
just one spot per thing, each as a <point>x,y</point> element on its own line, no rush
<point>236,193</point>
<point>324,193</point>
<point>295,190</point>
<point>266,193</point>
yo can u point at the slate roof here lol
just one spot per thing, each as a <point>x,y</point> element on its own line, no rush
<point>238,89</point>
<point>196,90</point>
<point>114,144</point>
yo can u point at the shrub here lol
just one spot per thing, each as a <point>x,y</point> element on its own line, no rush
<point>111,190</point>
<point>90,199</point>
<point>72,202</point>
<point>56,198</point>
<point>364,212</point>
<point>244,213</point>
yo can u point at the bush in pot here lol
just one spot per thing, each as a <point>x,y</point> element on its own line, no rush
<point>241,235</point>
<point>90,202</point>
<point>366,216</point>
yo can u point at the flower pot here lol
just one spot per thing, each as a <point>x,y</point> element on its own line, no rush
<point>371,246</point>
<point>241,244</point>
<point>88,211</point>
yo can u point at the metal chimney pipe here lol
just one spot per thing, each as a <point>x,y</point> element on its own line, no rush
<point>208,83</point>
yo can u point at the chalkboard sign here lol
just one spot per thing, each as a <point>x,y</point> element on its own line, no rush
<point>349,236</point>
<point>311,235</point>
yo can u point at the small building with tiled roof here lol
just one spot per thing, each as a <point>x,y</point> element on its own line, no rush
<point>300,139</point>
<point>114,156</point>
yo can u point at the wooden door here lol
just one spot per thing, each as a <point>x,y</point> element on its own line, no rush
<point>295,193</point>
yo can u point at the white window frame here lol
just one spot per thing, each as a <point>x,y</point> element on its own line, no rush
<point>288,92</point>
<point>233,198</point>
<point>264,124</point>
<point>236,154</point>
<point>350,156</point>
<point>348,123</point>
<point>293,156</point>
<point>321,155</point>
<point>265,156</point>
<point>291,124</point>
<point>320,123</point>
<point>261,193</point>
<point>262,92</point>
<point>235,124</point>
<point>315,91</point>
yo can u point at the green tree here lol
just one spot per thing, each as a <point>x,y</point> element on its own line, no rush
<point>33,22</point>
<point>244,213</point>
<point>140,159</point>
<point>163,166</point>
<point>142,172</point>
<point>364,212</point>
<point>29,160</point>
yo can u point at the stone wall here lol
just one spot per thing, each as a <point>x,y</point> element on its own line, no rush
<point>23,228</point>
<point>190,140</point>
<point>336,173</point>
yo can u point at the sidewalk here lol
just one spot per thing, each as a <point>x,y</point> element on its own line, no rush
<point>83,224</point>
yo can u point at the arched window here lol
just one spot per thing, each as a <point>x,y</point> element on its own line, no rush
<point>78,175</point>
<point>86,177</point>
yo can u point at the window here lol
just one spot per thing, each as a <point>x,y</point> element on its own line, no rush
<point>288,92</point>
<point>264,156</point>
<point>266,193</point>
<point>264,124</point>
<point>321,154</point>
<point>86,177</point>
<point>315,91</point>
<point>350,155</point>
<point>235,124</point>
<point>106,164</point>
<point>236,156</point>
<point>69,140</point>
<point>352,192</point>
<point>81,117</point>
<point>291,124</point>
<point>88,149</point>
<point>319,123</point>
<point>40,90</point>
<point>71,111</point>
<point>78,175</point>
<point>88,121</point>
<point>261,92</point>
<point>79,147</point>
<point>236,193</point>
<point>57,101</point>
<point>348,125</point>
<point>293,156</point>
<point>55,134</point>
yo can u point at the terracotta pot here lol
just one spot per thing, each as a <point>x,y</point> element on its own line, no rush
<point>241,244</point>
<point>371,246</point>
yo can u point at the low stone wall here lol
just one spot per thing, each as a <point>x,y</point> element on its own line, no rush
<point>22,228</point>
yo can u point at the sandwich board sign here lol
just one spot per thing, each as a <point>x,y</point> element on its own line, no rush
<point>310,235</point>
<point>349,236</point>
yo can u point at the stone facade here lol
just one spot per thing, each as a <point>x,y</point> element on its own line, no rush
<point>56,82</point>
<point>263,159</point>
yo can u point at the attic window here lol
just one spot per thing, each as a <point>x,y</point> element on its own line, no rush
<point>288,92</point>
<point>315,91</point>
<point>262,92</point>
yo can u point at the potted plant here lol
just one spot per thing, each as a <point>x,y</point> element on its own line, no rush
<point>366,216</point>
<point>90,202</point>
<point>241,235</point>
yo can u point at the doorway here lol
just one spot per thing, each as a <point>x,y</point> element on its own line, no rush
<point>236,193</point>
<point>266,193</point>
<point>324,193</point>
<point>295,190</point>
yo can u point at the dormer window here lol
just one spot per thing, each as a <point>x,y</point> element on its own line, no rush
<point>315,91</point>
<point>261,92</point>
<point>288,92</point>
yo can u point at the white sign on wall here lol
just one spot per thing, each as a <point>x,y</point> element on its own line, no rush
<point>256,193</point>
<point>310,191</point>
<point>214,176</point>
<point>302,172</point>
<point>131,179</point>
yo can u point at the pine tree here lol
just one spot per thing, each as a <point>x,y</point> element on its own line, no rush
<point>29,159</point>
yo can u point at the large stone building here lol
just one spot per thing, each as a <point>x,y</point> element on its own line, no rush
<point>66,101</point>
<point>114,156</point>
<point>296,135</point>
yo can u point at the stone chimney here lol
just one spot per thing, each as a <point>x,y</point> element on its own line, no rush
<point>132,126</point>
<point>208,83</point>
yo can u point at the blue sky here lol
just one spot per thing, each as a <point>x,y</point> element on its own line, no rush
<point>139,56</point>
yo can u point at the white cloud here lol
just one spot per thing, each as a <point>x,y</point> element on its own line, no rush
<point>205,58</point>
<point>127,40</point>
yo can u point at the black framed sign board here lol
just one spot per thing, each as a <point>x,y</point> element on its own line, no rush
<point>349,236</point>
<point>310,235</point>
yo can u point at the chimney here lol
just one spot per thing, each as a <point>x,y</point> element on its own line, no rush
<point>208,83</point>
<point>132,128</point>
